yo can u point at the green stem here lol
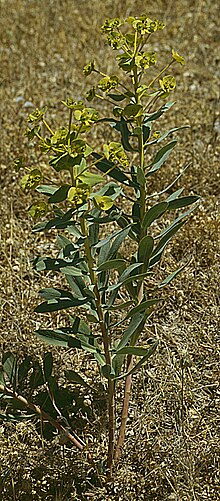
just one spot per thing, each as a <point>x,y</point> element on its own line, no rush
<point>106,345</point>
<point>130,358</point>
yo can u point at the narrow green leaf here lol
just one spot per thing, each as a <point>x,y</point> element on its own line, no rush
<point>47,365</point>
<point>150,117</point>
<point>108,371</point>
<point>182,202</point>
<point>74,377</point>
<point>145,305</point>
<point>113,264</point>
<point>46,189</point>
<point>59,304</point>
<point>117,97</point>
<point>9,364</point>
<point>133,350</point>
<point>163,242</point>
<point>120,236</point>
<point>173,275</point>
<point>154,213</point>
<point>143,360</point>
<point>65,162</point>
<point>113,170</point>
<point>136,321</point>
<point>71,270</point>
<point>173,224</point>
<point>145,250</point>
<point>174,195</point>
<point>160,157</point>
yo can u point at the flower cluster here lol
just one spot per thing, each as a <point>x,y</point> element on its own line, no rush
<point>115,153</point>
<point>31,180</point>
<point>37,115</point>
<point>111,24</point>
<point>77,195</point>
<point>37,210</point>
<point>108,83</point>
<point>89,68</point>
<point>145,60</point>
<point>145,25</point>
<point>168,83</point>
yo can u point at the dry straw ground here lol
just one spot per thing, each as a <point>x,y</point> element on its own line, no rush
<point>172,437</point>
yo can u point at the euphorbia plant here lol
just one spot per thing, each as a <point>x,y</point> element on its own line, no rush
<point>84,205</point>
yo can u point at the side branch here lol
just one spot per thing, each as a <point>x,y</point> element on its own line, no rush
<point>37,410</point>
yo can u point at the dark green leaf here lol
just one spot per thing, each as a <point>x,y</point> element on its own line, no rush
<point>37,377</point>
<point>65,162</point>
<point>153,213</point>
<point>60,195</point>
<point>133,350</point>
<point>173,224</point>
<point>59,304</point>
<point>150,352</point>
<point>122,127</point>
<point>47,365</point>
<point>150,117</point>
<point>113,171</point>
<point>9,363</point>
<point>74,377</point>
<point>182,202</point>
<point>117,97</point>
<point>113,264</point>
<point>145,250</point>
<point>108,371</point>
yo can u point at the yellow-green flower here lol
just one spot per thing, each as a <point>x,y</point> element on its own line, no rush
<point>177,57</point>
<point>31,180</point>
<point>77,195</point>
<point>110,24</point>
<point>146,60</point>
<point>89,68</point>
<point>37,210</point>
<point>37,115</point>
<point>168,83</point>
<point>116,40</point>
<point>145,25</point>
<point>115,153</point>
<point>108,83</point>
<point>156,134</point>
<point>103,203</point>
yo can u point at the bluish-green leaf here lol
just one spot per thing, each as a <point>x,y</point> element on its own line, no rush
<point>170,277</point>
<point>113,264</point>
<point>9,364</point>
<point>113,170</point>
<point>150,117</point>
<point>160,158</point>
<point>46,189</point>
<point>143,360</point>
<point>135,323</point>
<point>145,305</point>
<point>162,244</point>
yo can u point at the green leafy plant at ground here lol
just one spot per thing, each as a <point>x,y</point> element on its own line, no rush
<point>98,201</point>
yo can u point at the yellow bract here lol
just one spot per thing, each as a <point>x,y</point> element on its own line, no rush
<point>103,203</point>
<point>79,194</point>
<point>177,57</point>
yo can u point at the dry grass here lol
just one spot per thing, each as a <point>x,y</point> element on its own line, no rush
<point>172,437</point>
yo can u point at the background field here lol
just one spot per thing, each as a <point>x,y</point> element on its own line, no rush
<point>172,439</point>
